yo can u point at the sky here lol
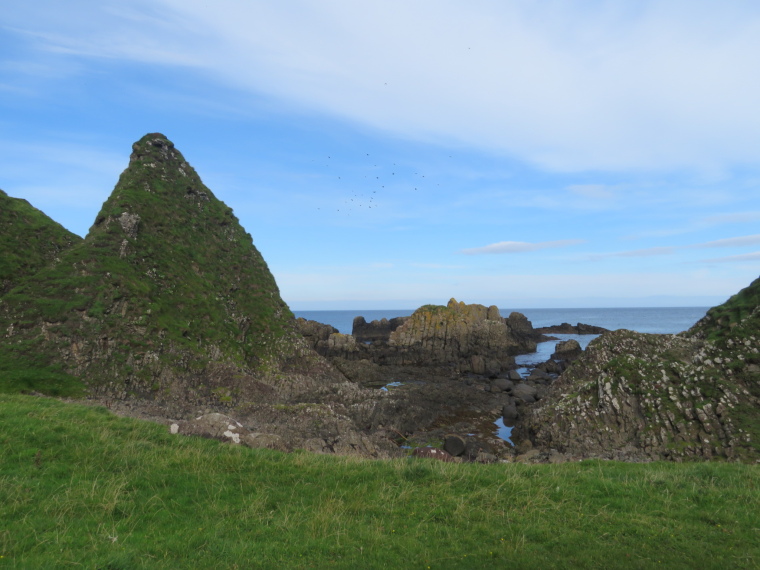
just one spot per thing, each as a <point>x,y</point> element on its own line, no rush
<point>389,154</point>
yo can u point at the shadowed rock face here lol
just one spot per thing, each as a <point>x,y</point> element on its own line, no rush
<point>634,396</point>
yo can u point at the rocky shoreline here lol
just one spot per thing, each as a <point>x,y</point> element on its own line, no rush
<point>166,310</point>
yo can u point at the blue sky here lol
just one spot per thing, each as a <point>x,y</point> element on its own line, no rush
<point>390,154</point>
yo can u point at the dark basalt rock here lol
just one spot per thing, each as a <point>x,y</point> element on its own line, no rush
<point>567,350</point>
<point>378,330</point>
<point>640,397</point>
<point>567,328</point>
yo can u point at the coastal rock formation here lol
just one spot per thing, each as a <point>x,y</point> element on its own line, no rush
<point>317,335</point>
<point>166,300</point>
<point>567,350</point>
<point>378,330</point>
<point>468,338</point>
<point>567,328</point>
<point>635,396</point>
<point>29,241</point>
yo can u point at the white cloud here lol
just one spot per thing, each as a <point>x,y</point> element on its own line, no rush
<point>519,246</point>
<point>625,85</point>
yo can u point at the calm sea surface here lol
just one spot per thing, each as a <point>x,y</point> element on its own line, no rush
<point>668,320</point>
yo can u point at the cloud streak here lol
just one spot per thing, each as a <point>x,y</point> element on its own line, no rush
<point>504,247</point>
<point>755,256</point>
<point>624,86</point>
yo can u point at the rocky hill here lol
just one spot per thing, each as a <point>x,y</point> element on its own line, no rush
<point>166,299</point>
<point>636,396</point>
<point>29,241</point>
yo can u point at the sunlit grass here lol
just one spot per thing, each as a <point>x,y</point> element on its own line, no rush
<point>81,487</point>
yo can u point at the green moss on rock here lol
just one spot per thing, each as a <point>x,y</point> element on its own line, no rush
<point>166,285</point>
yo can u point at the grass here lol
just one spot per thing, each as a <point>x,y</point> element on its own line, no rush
<point>80,487</point>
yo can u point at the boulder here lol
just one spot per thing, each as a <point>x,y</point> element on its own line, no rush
<point>524,392</point>
<point>501,385</point>
<point>509,414</point>
<point>567,350</point>
<point>454,445</point>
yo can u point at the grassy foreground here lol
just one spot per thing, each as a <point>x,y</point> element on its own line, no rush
<point>80,487</point>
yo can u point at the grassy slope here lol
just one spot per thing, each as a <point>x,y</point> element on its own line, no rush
<point>80,487</point>
<point>723,320</point>
<point>29,240</point>
<point>186,280</point>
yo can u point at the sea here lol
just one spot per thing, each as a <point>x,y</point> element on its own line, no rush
<point>663,320</point>
<point>656,320</point>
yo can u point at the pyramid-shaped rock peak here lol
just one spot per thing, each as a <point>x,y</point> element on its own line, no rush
<point>29,241</point>
<point>166,296</point>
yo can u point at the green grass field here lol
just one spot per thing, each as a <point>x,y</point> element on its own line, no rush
<point>82,488</point>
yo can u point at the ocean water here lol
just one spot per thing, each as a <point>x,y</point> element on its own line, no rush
<point>668,320</point>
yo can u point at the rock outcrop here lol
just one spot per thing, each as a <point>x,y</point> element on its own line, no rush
<point>378,330</point>
<point>567,328</point>
<point>638,397</point>
<point>469,338</point>
<point>29,241</point>
<point>165,300</point>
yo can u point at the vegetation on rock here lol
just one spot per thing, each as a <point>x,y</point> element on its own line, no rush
<point>166,295</point>
<point>637,396</point>
<point>29,241</point>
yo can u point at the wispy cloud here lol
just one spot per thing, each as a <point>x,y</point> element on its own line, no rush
<point>647,252</point>
<point>732,218</point>
<point>519,246</point>
<point>740,241</point>
<point>434,266</point>
<point>548,90</point>
<point>755,256</point>
<point>593,191</point>
<point>730,242</point>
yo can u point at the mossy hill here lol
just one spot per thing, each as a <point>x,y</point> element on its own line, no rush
<point>636,396</point>
<point>166,297</point>
<point>29,241</point>
<point>737,317</point>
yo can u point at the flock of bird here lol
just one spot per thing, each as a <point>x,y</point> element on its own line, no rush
<point>364,190</point>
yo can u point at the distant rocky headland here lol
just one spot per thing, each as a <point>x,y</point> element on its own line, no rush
<point>166,310</point>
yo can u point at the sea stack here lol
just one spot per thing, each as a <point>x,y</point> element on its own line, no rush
<point>165,299</point>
